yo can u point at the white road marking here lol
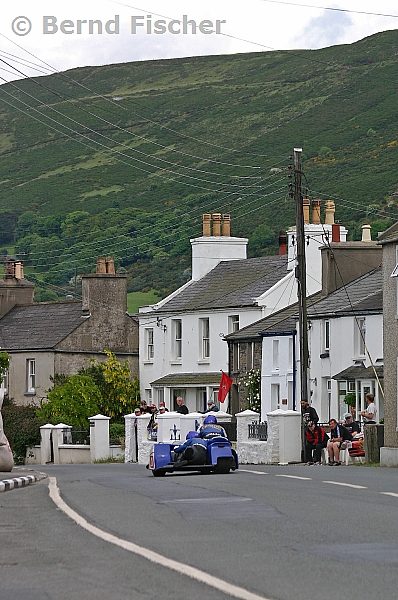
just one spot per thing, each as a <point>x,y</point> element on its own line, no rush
<point>389,494</point>
<point>351,485</point>
<point>255,472</point>
<point>164,561</point>
<point>295,477</point>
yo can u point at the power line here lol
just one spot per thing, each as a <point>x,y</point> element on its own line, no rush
<point>333,8</point>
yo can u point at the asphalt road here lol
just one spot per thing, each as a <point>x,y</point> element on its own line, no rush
<point>286,533</point>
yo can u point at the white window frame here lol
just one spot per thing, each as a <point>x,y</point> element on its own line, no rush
<point>31,375</point>
<point>326,335</point>
<point>329,396</point>
<point>150,348</point>
<point>275,355</point>
<point>204,329</point>
<point>235,357</point>
<point>291,341</point>
<point>395,274</point>
<point>177,339</point>
<point>395,270</point>
<point>275,396</point>
<point>233,323</point>
<point>360,328</point>
<point>249,356</point>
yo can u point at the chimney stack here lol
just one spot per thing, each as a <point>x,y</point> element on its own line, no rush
<point>335,232</point>
<point>316,212</point>
<point>19,270</point>
<point>9,268</point>
<point>282,243</point>
<point>366,235</point>
<point>206,221</point>
<point>110,265</point>
<point>216,224</point>
<point>226,225</point>
<point>306,211</point>
<point>330,209</point>
<point>101,265</point>
<point>105,265</point>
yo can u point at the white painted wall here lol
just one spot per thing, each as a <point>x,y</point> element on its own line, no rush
<point>208,251</point>
<point>342,354</point>
<point>163,362</point>
<point>315,237</point>
<point>273,375</point>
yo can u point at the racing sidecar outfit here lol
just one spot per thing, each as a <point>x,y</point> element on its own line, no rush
<point>211,430</point>
<point>194,451</point>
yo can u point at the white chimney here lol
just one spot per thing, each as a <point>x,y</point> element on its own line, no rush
<point>209,250</point>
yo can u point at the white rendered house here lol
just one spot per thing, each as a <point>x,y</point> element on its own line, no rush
<point>345,347</point>
<point>182,347</point>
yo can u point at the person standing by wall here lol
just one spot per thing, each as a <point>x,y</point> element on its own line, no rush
<point>181,408</point>
<point>369,414</point>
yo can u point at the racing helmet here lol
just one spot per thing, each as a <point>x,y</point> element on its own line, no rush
<point>210,419</point>
<point>191,434</point>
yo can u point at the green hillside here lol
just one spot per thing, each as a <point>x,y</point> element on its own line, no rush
<point>123,159</point>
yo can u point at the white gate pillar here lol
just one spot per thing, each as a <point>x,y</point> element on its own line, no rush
<point>99,437</point>
<point>45,443</point>
<point>58,433</point>
<point>284,436</point>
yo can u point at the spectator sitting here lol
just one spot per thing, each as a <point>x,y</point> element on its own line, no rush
<point>353,426</point>
<point>315,439</point>
<point>308,412</point>
<point>210,429</point>
<point>193,451</point>
<point>162,410</point>
<point>211,407</point>
<point>338,434</point>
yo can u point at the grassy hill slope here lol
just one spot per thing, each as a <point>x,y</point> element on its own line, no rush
<point>124,159</point>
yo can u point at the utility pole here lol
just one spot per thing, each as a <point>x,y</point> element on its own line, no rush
<point>301,274</point>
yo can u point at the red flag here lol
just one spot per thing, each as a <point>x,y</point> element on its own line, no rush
<point>225,385</point>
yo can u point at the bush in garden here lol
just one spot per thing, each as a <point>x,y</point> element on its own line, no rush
<point>22,427</point>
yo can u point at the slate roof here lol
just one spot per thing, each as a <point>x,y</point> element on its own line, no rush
<point>283,320</point>
<point>360,372</point>
<point>39,326</point>
<point>361,295</point>
<point>198,379</point>
<point>231,284</point>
